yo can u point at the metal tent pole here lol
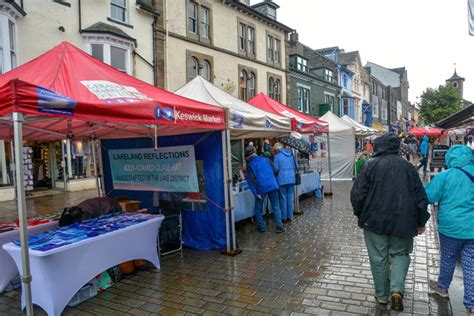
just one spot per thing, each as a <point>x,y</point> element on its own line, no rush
<point>94,155</point>
<point>63,165</point>
<point>21,199</point>
<point>329,168</point>
<point>226,193</point>
<point>235,250</point>
<point>12,164</point>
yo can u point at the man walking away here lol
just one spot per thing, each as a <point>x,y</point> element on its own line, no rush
<point>262,182</point>
<point>286,164</point>
<point>424,150</point>
<point>453,189</point>
<point>389,200</point>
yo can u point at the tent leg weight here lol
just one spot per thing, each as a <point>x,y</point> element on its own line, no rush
<point>231,253</point>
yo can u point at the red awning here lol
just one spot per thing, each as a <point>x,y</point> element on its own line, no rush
<point>299,122</point>
<point>67,92</point>
<point>434,131</point>
<point>418,131</point>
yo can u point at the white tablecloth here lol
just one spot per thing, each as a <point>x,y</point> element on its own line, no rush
<point>8,269</point>
<point>244,202</point>
<point>59,273</point>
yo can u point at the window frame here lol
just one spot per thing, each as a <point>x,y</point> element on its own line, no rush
<point>271,87</point>
<point>301,64</point>
<point>243,85</point>
<point>277,90</point>
<point>194,19</point>
<point>270,48</point>
<point>108,42</point>
<point>125,11</point>
<point>277,58</point>
<point>304,98</point>
<point>8,44</point>
<point>248,82</point>
<point>205,24</point>
<point>242,37</point>
<point>328,75</point>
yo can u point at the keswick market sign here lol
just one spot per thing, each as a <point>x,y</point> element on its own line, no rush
<point>168,169</point>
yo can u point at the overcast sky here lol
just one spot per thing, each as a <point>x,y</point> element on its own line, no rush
<point>425,36</point>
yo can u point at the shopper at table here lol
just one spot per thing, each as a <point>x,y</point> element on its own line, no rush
<point>389,200</point>
<point>453,190</point>
<point>286,164</point>
<point>261,178</point>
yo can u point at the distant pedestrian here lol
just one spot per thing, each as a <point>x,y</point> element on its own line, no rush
<point>369,148</point>
<point>286,164</point>
<point>389,200</point>
<point>262,182</point>
<point>453,190</point>
<point>424,151</point>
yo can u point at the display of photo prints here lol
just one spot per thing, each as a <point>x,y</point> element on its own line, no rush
<point>74,233</point>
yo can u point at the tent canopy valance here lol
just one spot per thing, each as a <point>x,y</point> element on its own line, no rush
<point>243,119</point>
<point>359,128</point>
<point>68,93</point>
<point>300,122</point>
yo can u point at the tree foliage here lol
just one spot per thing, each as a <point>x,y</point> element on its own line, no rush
<point>437,104</point>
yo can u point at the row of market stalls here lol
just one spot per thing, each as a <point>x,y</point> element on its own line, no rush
<point>66,94</point>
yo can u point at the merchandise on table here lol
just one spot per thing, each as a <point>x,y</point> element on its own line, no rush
<point>74,233</point>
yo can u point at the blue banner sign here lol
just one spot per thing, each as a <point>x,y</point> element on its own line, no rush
<point>167,169</point>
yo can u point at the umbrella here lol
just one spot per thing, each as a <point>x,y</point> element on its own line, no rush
<point>296,143</point>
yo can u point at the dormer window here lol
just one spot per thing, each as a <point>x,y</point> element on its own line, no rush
<point>301,64</point>
<point>328,75</point>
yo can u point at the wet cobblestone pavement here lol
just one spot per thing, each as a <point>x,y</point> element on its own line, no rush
<point>319,266</point>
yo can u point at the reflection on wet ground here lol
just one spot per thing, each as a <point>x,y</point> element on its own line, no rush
<point>319,266</point>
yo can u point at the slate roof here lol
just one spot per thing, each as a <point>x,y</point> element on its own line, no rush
<point>455,77</point>
<point>387,76</point>
<point>105,28</point>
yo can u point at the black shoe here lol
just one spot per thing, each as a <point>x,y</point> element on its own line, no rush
<point>284,220</point>
<point>397,302</point>
<point>299,213</point>
<point>261,230</point>
<point>280,230</point>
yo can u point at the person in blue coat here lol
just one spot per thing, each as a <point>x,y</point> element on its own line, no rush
<point>453,190</point>
<point>286,164</point>
<point>260,176</point>
<point>424,150</point>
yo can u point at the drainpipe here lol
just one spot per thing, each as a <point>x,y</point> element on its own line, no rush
<point>154,39</point>
<point>80,16</point>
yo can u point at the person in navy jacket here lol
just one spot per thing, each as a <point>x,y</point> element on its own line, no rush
<point>260,176</point>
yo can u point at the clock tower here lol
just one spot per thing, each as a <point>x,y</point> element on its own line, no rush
<point>456,82</point>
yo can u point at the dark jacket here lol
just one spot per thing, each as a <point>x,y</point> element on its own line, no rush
<point>261,176</point>
<point>388,196</point>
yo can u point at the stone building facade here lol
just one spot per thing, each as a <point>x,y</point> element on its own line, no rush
<point>240,48</point>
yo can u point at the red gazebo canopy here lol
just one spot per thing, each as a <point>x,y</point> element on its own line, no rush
<point>299,122</point>
<point>420,131</point>
<point>67,92</point>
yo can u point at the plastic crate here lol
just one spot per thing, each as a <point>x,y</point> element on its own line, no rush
<point>86,292</point>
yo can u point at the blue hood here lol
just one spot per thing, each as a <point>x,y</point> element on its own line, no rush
<point>285,152</point>
<point>459,156</point>
<point>426,139</point>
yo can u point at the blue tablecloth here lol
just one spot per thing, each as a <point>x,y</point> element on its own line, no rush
<point>244,202</point>
<point>88,229</point>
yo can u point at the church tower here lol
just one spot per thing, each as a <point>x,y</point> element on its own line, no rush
<point>456,82</point>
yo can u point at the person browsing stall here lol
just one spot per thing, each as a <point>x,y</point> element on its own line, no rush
<point>262,182</point>
<point>286,164</point>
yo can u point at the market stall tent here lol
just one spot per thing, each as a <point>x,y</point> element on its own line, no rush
<point>243,119</point>
<point>342,144</point>
<point>359,128</point>
<point>300,122</point>
<point>66,93</point>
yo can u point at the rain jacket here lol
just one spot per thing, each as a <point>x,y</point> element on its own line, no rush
<point>260,176</point>
<point>388,197</point>
<point>286,164</point>
<point>425,146</point>
<point>454,192</point>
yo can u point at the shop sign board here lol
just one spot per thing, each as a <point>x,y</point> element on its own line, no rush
<point>166,169</point>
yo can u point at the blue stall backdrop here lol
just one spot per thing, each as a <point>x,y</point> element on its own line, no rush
<point>204,228</point>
